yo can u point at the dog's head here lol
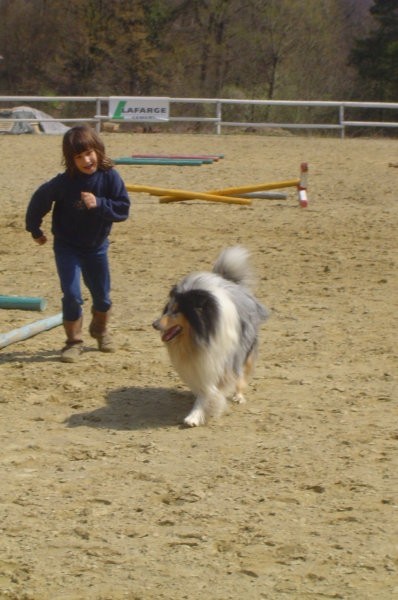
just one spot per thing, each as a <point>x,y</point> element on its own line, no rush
<point>192,313</point>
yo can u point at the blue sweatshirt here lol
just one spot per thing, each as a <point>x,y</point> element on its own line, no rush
<point>72,222</point>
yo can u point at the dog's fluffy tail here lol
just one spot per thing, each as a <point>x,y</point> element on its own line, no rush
<point>233,264</point>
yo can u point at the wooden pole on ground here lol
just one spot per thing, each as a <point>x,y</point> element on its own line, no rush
<point>213,157</point>
<point>276,185</point>
<point>179,162</point>
<point>187,195</point>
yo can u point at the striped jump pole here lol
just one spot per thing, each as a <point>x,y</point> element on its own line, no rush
<point>302,186</point>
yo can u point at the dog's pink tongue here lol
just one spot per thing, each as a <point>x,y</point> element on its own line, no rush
<point>171,333</point>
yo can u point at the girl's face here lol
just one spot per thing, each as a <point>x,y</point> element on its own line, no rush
<point>86,162</point>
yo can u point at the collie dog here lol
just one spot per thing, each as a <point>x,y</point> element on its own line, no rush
<point>210,328</point>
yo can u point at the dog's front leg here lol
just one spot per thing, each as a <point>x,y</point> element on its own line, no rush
<point>197,416</point>
<point>212,403</point>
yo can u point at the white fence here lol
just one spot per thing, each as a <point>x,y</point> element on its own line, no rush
<point>301,114</point>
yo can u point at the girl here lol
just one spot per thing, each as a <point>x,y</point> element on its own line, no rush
<point>86,200</point>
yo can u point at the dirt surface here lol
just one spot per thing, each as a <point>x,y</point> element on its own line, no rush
<point>103,495</point>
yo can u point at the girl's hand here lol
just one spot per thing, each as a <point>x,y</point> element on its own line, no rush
<point>88,199</point>
<point>41,240</point>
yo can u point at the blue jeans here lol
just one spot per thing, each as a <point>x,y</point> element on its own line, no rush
<point>90,263</point>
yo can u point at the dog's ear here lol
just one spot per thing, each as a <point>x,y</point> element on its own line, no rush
<point>201,309</point>
<point>200,299</point>
<point>197,300</point>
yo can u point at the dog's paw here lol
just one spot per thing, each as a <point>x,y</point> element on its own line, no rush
<point>238,398</point>
<point>195,418</point>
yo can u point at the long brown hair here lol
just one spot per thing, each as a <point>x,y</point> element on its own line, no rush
<point>80,139</point>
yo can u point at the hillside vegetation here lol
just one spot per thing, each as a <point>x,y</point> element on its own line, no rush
<point>271,49</point>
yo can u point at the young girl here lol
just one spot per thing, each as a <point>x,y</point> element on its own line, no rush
<point>86,200</point>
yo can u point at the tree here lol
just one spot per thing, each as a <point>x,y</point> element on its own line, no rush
<point>28,42</point>
<point>376,56</point>
<point>106,48</point>
<point>69,47</point>
<point>198,44</point>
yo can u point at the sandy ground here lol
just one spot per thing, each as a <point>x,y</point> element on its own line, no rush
<point>103,495</point>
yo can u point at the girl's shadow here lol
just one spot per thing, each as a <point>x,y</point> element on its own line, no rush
<point>137,408</point>
<point>28,357</point>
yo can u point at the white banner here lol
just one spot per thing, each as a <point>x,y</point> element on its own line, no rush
<point>139,108</point>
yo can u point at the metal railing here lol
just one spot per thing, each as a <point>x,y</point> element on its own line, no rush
<point>220,109</point>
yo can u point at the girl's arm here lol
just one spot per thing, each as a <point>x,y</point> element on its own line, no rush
<point>39,205</point>
<point>115,207</point>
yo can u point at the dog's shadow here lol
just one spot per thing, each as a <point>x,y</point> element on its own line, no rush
<point>137,408</point>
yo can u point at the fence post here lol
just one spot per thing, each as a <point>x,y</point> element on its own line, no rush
<point>219,117</point>
<point>98,113</point>
<point>341,120</point>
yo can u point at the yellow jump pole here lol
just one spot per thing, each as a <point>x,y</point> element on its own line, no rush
<point>177,195</point>
<point>260,187</point>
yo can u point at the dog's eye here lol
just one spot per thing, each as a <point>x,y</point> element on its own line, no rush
<point>174,309</point>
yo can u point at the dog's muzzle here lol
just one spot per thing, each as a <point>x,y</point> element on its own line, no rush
<point>156,325</point>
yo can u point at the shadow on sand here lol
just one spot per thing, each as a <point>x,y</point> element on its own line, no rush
<point>137,408</point>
